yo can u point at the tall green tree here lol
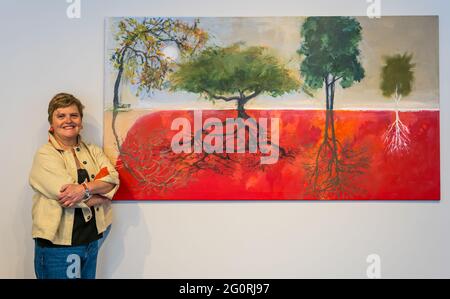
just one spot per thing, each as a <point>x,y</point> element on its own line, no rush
<point>397,77</point>
<point>330,52</point>
<point>234,73</point>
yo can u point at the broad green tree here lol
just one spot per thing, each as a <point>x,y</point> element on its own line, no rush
<point>330,52</point>
<point>234,73</point>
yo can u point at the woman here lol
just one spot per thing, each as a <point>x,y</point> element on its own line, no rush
<point>73,182</point>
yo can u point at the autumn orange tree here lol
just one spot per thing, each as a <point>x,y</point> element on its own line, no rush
<point>140,57</point>
<point>139,54</point>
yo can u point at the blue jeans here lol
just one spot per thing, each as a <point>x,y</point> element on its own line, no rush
<point>105,235</point>
<point>66,262</point>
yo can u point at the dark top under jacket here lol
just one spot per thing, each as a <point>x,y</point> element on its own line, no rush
<point>83,232</point>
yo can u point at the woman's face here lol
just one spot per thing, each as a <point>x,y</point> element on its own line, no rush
<point>66,123</point>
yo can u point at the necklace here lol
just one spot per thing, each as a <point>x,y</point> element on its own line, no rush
<point>65,146</point>
<point>70,147</point>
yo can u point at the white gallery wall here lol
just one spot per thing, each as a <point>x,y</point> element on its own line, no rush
<point>43,52</point>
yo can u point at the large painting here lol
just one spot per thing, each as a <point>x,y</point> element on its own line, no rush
<point>273,108</point>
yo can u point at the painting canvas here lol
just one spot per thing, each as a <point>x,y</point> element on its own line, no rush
<point>273,108</point>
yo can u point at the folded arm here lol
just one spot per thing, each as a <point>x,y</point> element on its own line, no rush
<point>71,194</point>
<point>105,183</point>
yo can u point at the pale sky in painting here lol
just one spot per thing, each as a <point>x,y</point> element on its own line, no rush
<point>380,37</point>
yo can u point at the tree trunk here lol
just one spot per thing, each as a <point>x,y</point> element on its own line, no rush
<point>116,101</point>
<point>398,97</point>
<point>332,95</point>
<point>116,137</point>
<point>241,110</point>
<point>329,91</point>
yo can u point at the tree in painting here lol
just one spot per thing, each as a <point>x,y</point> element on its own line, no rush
<point>239,74</point>
<point>142,57</point>
<point>396,81</point>
<point>330,51</point>
<point>234,74</point>
<point>140,54</point>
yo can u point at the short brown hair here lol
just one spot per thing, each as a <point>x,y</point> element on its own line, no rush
<point>62,100</point>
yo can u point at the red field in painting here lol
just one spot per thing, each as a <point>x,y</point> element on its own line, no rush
<point>344,158</point>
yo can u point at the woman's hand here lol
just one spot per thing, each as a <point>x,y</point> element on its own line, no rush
<point>70,195</point>
<point>96,200</point>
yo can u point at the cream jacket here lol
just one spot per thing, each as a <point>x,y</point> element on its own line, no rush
<point>52,168</point>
